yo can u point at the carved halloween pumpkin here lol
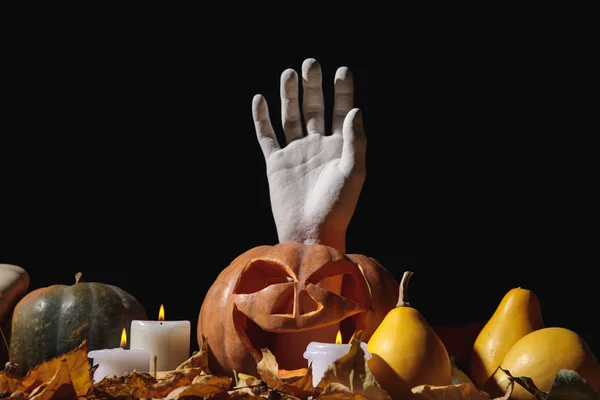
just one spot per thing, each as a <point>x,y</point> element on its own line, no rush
<point>282,297</point>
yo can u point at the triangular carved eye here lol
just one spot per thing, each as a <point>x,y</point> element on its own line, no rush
<point>307,303</point>
<point>261,273</point>
<point>353,286</point>
<point>285,303</point>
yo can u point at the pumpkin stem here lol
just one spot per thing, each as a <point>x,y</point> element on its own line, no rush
<point>78,277</point>
<point>403,292</point>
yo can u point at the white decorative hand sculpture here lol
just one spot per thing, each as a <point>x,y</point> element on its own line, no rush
<point>315,179</point>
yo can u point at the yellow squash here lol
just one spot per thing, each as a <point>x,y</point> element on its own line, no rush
<point>406,350</point>
<point>518,314</point>
<point>539,355</point>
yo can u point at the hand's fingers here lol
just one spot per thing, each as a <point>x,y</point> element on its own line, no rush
<point>312,104</point>
<point>343,98</point>
<point>355,143</point>
<point>262,123</point>
<point>290,107</point>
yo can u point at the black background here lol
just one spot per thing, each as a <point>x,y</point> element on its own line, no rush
<point>133,159</point>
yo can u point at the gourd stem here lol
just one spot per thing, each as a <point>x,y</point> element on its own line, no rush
<point>403,292</point>
<point>6,344</point>
<point>78,277</point>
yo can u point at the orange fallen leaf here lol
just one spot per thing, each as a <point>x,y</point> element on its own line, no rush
<point>143,385</point>
<point>248,386</point>
<point>77,366</point>
<point>268,369</point>
<point>463,391</point>
<point>60,387</point>
<point>292,374</point>
<point>198,360</point>
<point>10,383</point>
<point>202,386</point>
<point>337,391</point>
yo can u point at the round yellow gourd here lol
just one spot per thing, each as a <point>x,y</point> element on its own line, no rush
<point>518,314</point>
<point>540,355</point>
<point>406,351</point>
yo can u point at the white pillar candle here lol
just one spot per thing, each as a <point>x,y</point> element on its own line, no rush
<point>322,355</point>
<point>118,362</point>
<point>169,341</point>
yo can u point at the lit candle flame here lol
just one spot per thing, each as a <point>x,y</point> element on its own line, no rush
<point>338,338</point>
<point>123,339</point>
<point>161,313</point>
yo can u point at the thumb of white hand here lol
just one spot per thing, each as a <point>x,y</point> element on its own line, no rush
<point>355,143</point>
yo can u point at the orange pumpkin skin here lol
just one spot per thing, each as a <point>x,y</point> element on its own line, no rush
<point>283,297</point>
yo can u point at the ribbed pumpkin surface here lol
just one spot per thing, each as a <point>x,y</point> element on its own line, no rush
<point>51,321</point>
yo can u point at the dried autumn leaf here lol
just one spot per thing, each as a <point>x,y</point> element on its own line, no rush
<point>128,386</point>
<point>352,371</point>
<point>292,375</point>
<point>13,396</point>
<point>246,380</point>
<point>198,360</point>
<point>202,386</point>
<point>244,396</point>
<point>60,387</point>
<point>10,383</point>
<point>463,391</point>
<point>268,369</point>
<point>248,385</point>
<point>337,391</point>
<point>144,385</point>
<point>78,367</point>
<point>569,384</point>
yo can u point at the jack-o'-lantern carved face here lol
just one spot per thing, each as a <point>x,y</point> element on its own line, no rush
<point>283,297</point>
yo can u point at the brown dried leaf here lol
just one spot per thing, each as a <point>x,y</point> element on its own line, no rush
<point>245,396</point>
<point>60,387</point>
<point>246,380</point>
<point>337,391</point>
<point>268,369</point>
<point>14,396</point>
<point>198,360</point>
<point>463,391</point>
<point>303,386</point>
<point>352,371</point>
<point>78,367</point>
<point>128,386</point>
<point>10,383</point>
<point>248,385</point>
<point>207,385</point>
<point>292,375</point>
<point>144,385</point>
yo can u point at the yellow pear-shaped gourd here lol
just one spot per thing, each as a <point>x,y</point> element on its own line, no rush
<point>406,351</point>
<point>518,314</point>
<point>540,355</point>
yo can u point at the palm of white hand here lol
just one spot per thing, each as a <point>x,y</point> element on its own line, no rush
<point>316,179</point>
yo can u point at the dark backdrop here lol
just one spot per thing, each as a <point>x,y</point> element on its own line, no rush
<point>135,161</point>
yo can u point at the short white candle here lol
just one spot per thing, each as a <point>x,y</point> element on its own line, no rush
<point>169,341</point>
<point>322,355</point>
<point>118,362</point>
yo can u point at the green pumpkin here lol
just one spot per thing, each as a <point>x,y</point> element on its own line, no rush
<point>51,321</point>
